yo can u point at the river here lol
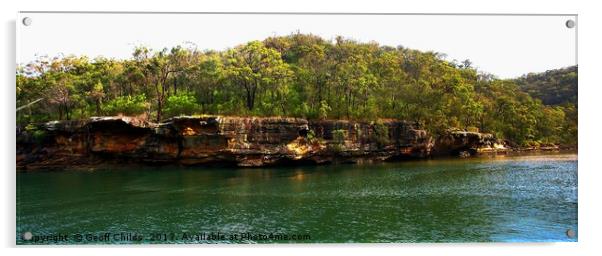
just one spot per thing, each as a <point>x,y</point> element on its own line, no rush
<point>529,198</point>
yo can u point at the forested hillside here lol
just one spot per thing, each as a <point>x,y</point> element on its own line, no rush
<point>553,87</point>
<point>556,88</point>
<point>298,75</point>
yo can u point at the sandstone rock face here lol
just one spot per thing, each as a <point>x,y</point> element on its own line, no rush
<point>240,141</point>
<point>389,140</point>
<point>464,143</point>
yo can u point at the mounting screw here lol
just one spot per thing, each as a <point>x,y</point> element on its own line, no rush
<point>570,23</point>
<point>570,233</point>
<point>27,236</point>
<point>27,21</point>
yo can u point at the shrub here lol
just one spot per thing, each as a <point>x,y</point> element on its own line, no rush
<point>311,136</point>
<point>181,104</point>
<point>381,133</point>
<point>338,137</point>
<point>126,105</point>
<point>472,129</point>
<point>37,135</point>
<point>323,110</point>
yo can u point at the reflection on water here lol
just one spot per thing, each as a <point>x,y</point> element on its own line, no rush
<point>513,198</point>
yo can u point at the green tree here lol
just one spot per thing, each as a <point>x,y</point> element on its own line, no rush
<point>260,72</point>
<point>126,105</point>
<point>181,104</point>
<point>96,94</point>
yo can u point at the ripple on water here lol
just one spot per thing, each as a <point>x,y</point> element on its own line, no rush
<point>525,198</point>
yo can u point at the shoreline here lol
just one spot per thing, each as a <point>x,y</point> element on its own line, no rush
<point>125,166</point>
<point>242,142</point>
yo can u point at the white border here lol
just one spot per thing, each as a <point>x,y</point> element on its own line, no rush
<point>589,98</point>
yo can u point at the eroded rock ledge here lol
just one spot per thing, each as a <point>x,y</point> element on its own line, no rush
<point>239,141</point>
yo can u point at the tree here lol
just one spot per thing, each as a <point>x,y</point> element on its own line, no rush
<point>96,94</point>
<point>207,82</point>
<point>257,69</point>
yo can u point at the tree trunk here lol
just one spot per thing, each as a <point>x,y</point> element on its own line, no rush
<point>249,100</point>
<point>159,108</point>
<point>253,97</point>
<point>60,112</point>
<point>98,107</point>
<point>175,86</point>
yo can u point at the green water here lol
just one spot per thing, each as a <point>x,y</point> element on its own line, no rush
<point>525,199</point>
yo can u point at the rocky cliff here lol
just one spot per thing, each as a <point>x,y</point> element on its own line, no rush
<point>240,141</point>
<point>463,143</point>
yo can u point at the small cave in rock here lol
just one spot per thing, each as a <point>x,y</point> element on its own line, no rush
<point>464,152</point>
<point>116,127</point>
<point>303,132</point>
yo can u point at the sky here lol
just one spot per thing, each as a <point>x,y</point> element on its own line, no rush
<point>506,46</point>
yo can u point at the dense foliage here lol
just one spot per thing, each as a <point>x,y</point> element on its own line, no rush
<point>298,75</point>
<point>558,89</point>
<point>553,87</point>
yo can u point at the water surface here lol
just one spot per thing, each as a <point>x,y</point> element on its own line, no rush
<point>523,198</point>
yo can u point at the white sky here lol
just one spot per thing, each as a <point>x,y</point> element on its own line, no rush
<point>507,46</point>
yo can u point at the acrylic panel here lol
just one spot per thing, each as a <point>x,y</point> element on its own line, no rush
<point>169,128</point>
